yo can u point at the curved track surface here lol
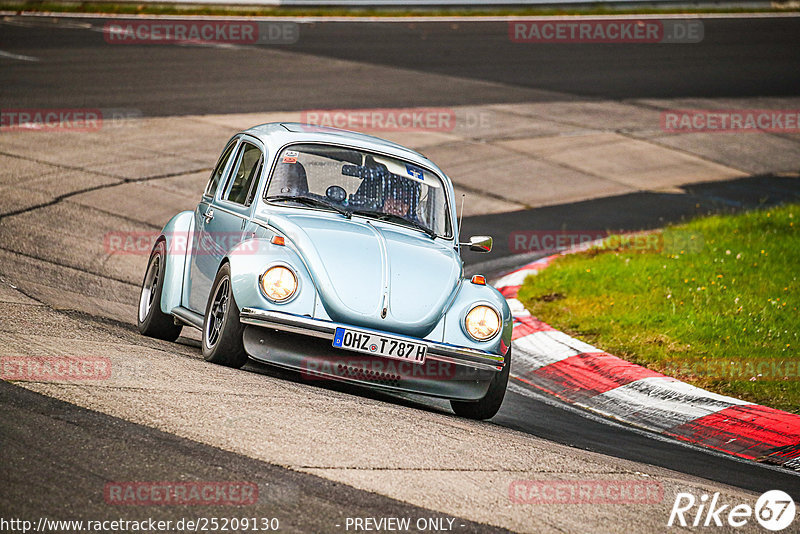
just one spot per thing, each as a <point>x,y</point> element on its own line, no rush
<point>166,415</point>
<point>393,65</point>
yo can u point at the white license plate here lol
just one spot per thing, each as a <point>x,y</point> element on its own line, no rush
<point>377,345</point>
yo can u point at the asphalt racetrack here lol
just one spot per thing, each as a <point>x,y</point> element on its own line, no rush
<point>738,57</point>
<point>56,454</point>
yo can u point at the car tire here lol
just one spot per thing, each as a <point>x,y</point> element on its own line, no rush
<point>487,407</point>
<point>222,331</point>
<point>150,320</point>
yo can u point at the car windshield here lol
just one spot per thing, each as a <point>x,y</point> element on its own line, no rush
<point>351,181</point>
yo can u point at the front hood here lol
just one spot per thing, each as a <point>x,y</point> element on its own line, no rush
<point>361,267</point>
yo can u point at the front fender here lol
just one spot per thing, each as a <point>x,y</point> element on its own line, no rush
<point>177,234</point>
<point>250,258</point>
<point>470,295</point>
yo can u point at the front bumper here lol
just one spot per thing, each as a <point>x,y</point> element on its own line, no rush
<point>305,344</point>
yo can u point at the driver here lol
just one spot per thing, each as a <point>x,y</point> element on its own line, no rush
<point>396,198</point>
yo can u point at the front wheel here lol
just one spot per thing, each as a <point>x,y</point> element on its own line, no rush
<point>222,331</point>
<point>151,321</point>
<point>487,407</point>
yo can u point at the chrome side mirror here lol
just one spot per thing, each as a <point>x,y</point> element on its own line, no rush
<point>479,243</point>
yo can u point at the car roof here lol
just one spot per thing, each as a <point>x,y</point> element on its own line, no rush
<point>281,133</point>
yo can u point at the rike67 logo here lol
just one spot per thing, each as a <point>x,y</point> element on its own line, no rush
<point>774,510</point>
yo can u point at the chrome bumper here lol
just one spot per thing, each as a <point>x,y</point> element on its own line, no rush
<point>299,324</point>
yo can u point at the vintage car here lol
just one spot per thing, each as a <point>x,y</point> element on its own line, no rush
<point>336,254</point>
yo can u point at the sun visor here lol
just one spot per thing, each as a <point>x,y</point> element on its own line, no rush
<point>407,170</point>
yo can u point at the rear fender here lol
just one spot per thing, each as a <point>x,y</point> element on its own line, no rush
<point>177,236</point>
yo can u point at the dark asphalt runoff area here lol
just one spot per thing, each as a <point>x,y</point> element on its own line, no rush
<point>56,457</point>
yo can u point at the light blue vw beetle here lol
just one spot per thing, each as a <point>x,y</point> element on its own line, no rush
<point>336,254</point>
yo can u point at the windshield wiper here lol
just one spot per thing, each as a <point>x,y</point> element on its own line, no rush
<point>313,202</point>
<point>381,216</point>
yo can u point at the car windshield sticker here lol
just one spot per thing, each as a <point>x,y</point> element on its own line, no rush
<point>290,156</point>
<point>414,172</point>
<point>406,170</point>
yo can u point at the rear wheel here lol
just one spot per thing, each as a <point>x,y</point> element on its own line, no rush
<point>151,321</point>
<point>487,407</point>
<point>222,331</point>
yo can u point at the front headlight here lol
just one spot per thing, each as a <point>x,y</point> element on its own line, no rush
<point>278,283</point>
<point>482,322</point>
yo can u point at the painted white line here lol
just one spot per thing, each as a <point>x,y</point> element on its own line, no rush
<point>514,279</point>
<point>517,309</point>
<point>539,349</point>
<point>20,57</point>
<point>209,44</point>
<point>571,342</point>
<point>659,403</point>
<point>549,400</point>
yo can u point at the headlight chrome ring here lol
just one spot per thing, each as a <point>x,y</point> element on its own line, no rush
<point>278,283</point>
<point>482,322</point>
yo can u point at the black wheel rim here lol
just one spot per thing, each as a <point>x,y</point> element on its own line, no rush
<point>216,313</point>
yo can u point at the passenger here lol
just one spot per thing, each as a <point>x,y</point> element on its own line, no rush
<point>290,179</point>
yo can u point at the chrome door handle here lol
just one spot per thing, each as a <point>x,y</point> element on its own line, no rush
<point>208,215</point>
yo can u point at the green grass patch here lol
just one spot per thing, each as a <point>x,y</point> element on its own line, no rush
<point>713,302</point>
<point>133,8</point>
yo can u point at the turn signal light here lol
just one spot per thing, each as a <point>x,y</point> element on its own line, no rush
<point>479,280</point>
<point>277,240</point>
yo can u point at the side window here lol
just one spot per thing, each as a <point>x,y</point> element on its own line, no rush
<point>216,174</point>
<point>245,177</point>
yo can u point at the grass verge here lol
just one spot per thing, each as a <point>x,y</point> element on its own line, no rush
<point>713,302</point>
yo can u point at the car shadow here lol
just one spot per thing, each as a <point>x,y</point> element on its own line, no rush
<point>408,401</point>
